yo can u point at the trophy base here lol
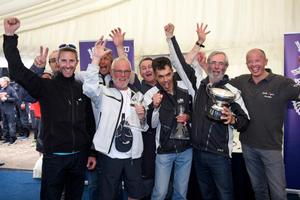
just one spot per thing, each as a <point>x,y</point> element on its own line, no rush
<point>215,113</point>
<point>181,133</point>
<point>179,137</point>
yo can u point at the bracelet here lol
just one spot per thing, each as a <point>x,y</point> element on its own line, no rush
<point>200,45</point>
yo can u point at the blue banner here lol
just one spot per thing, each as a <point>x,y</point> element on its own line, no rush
<point>85,52</point>
<point>292,122</point>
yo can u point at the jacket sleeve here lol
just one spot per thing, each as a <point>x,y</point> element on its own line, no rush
<point>91,86</point>
<point>12,95</point>
<point>185,71</point>
<point>242,120</point>
<point>136,83</point>
<point>90,124</point>
<point>155,118</point>
<point>239,109</point>
<point>17,70</point>
<point>37,70</point>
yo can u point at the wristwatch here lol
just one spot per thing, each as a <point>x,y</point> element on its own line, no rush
<point>200,45</point>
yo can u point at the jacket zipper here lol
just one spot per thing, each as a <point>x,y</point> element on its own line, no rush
<point>73,115</point>
<point>208,136</point>
<point>120,111</point>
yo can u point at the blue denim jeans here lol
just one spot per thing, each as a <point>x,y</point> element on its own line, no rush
<point>214,175</point>
<point>266,171</point>
<point>93,186</point>
<point>59,172</point>
<point>163,166</point>
<point>23,121</point>
<point>9,126</point>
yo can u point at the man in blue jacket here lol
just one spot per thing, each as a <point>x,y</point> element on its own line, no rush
<point>9,98</point>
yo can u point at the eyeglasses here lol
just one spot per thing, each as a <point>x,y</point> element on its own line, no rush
<point>214,63</point>
<point>67,46</point>
<point>121,72</point>
<point>52,60</point>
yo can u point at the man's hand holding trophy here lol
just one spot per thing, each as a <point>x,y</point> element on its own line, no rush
<point>220,111</point>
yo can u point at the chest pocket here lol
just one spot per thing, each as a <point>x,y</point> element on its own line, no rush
<point>80,111</point>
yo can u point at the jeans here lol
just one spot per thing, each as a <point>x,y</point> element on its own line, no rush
<point>214,175</point>
<point>23,121</point>
<point>93,187</point>
<point>163,166</point>
<point>266,171</point>
<point>9,126</point>
<point>59,172</point>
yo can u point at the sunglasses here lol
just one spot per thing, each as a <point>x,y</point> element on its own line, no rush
<point>67,46</point>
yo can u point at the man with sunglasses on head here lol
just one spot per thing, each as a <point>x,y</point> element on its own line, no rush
<point>212,139</point>
<point>67,137</point>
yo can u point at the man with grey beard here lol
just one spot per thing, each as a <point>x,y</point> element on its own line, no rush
<point>211,139</point>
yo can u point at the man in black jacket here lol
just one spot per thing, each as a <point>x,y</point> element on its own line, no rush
<point>171,148</point>
<point>211,139</point>
<point>64,112</point>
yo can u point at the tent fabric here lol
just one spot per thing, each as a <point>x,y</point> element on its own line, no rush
<point>236,26</point>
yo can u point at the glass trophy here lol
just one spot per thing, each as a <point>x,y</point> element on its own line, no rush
<point>133,121</point>
<point>181,132</point>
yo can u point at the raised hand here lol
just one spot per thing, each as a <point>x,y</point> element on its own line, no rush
<point>201,32</point>
<point>117,36</point>
<point>41,59</point>
<point>169,30</point>
<point>99,50</point>
<point>11,24</point>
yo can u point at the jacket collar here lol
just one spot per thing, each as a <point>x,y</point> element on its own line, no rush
<point>59,76</point>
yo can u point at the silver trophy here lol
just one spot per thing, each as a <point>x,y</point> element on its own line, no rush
<point>132,121</point>
<point>221,97</point>
<point>181,132</point>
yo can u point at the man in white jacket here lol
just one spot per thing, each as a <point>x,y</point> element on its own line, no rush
<point>118,114</point>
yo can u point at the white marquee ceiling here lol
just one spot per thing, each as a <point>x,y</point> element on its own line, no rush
<point>236,25</point>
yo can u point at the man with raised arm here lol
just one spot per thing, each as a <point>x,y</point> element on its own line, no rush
<point>211,138</point>
<point>66,111</point>
<point>118,138</point>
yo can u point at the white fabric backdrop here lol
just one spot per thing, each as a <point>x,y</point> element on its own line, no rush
<point>236,25</point>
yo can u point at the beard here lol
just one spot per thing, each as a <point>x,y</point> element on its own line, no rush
<point>215,78</point>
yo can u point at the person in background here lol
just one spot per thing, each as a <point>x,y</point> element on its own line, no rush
<point>66,114</point>
<point>266,97</point>
<point>8,97</point>
<point>52,61</point>
<point>22,111</point>
<point>148,158</point>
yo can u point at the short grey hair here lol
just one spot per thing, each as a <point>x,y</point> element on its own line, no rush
<point>6,79</point>
<point>118,59</point>
<point>217,53</point>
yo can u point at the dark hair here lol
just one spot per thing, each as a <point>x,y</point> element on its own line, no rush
<point>146,58</point>
<point>160,63</point>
